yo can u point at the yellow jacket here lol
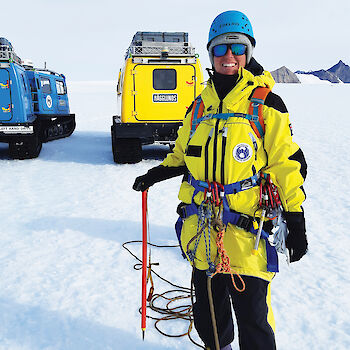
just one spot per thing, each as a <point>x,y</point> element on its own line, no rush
<point>272,155</point>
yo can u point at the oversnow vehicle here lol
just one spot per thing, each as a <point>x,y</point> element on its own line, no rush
<point>34,105</point>
<point>161,77</point>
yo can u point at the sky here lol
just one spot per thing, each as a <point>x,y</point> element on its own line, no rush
<point>86,40</point>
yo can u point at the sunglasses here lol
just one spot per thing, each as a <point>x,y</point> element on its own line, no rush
<point>237,49</point>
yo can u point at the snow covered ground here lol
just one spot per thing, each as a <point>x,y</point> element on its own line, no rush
<point>67,283</point>
<point>311,79</point>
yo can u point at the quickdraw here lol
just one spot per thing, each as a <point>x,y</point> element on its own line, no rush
<point>210,215</point>
<point>270,202</point>
<point>271,208</point>
<point>269,197</point>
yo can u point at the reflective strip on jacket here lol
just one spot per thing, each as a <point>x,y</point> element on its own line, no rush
<point>243,155</point>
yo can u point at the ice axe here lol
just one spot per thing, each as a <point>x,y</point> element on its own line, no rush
<point>263,203</point>
<point>258,235</point>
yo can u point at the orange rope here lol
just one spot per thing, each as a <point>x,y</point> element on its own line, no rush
<point>224,264</point>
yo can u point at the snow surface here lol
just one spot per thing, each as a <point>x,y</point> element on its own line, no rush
<point>311,79</point>
<point>66,281</point>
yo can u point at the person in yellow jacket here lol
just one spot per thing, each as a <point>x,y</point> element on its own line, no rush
<point>222,153</point>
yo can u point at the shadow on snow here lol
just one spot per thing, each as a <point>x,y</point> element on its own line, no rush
<point>86,147</point>
<point>33,327</point>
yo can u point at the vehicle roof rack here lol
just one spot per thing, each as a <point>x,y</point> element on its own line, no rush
<point>176,37</point>
<point>158,43</point>
<point>45,70</point>
<point>6,52</point>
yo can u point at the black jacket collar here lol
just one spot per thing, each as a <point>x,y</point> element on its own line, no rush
<point>225,83</point>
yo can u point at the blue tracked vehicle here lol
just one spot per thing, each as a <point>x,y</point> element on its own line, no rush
<point>34,105</point>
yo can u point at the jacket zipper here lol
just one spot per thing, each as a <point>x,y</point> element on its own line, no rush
<point>206,155</point>
<point>223,152</point>
<point>220,107</point>
<point>215,156</point>
<point>255,144</point>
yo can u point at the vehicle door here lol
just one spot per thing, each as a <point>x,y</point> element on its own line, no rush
<point>163,92</point>
<point>5,96</point>
<point>25,94</point>
<point>62,100</point>
<point>46,93</point>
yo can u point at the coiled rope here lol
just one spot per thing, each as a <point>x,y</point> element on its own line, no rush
<point>169,312</point>
<point>223,266</point>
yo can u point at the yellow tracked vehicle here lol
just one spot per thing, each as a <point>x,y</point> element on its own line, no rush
<point>161,77</point>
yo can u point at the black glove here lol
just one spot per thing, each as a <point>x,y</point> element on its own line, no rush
<point>296,241</point>
<point>156,174</point>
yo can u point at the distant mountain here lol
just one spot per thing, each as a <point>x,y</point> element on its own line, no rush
<point>284,75</point>
<point>322,74</point>
<point>336,74</point>
<point>342,71</point>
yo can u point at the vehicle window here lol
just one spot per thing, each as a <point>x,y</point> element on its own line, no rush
<point>164,79</point>
<point>24,83</point>
<point>60,87</point>
<point>45,85</point>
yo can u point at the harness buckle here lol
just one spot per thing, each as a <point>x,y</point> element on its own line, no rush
<point>245,222</point>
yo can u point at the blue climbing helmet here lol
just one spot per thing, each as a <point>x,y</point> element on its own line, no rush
<point>231,22</point>
<point>227,23</point>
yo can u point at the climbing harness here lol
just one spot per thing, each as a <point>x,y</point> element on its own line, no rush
<point>217,193</point>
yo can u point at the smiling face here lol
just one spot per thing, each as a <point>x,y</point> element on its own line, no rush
<point>229,63</point>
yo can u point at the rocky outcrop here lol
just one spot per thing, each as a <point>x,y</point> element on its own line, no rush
<point>342,71</point>
<point>284,75</point>
<point>336,74</point>
<point>322,74</point>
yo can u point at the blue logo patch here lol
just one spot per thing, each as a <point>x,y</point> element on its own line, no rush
<point>242,152</point>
